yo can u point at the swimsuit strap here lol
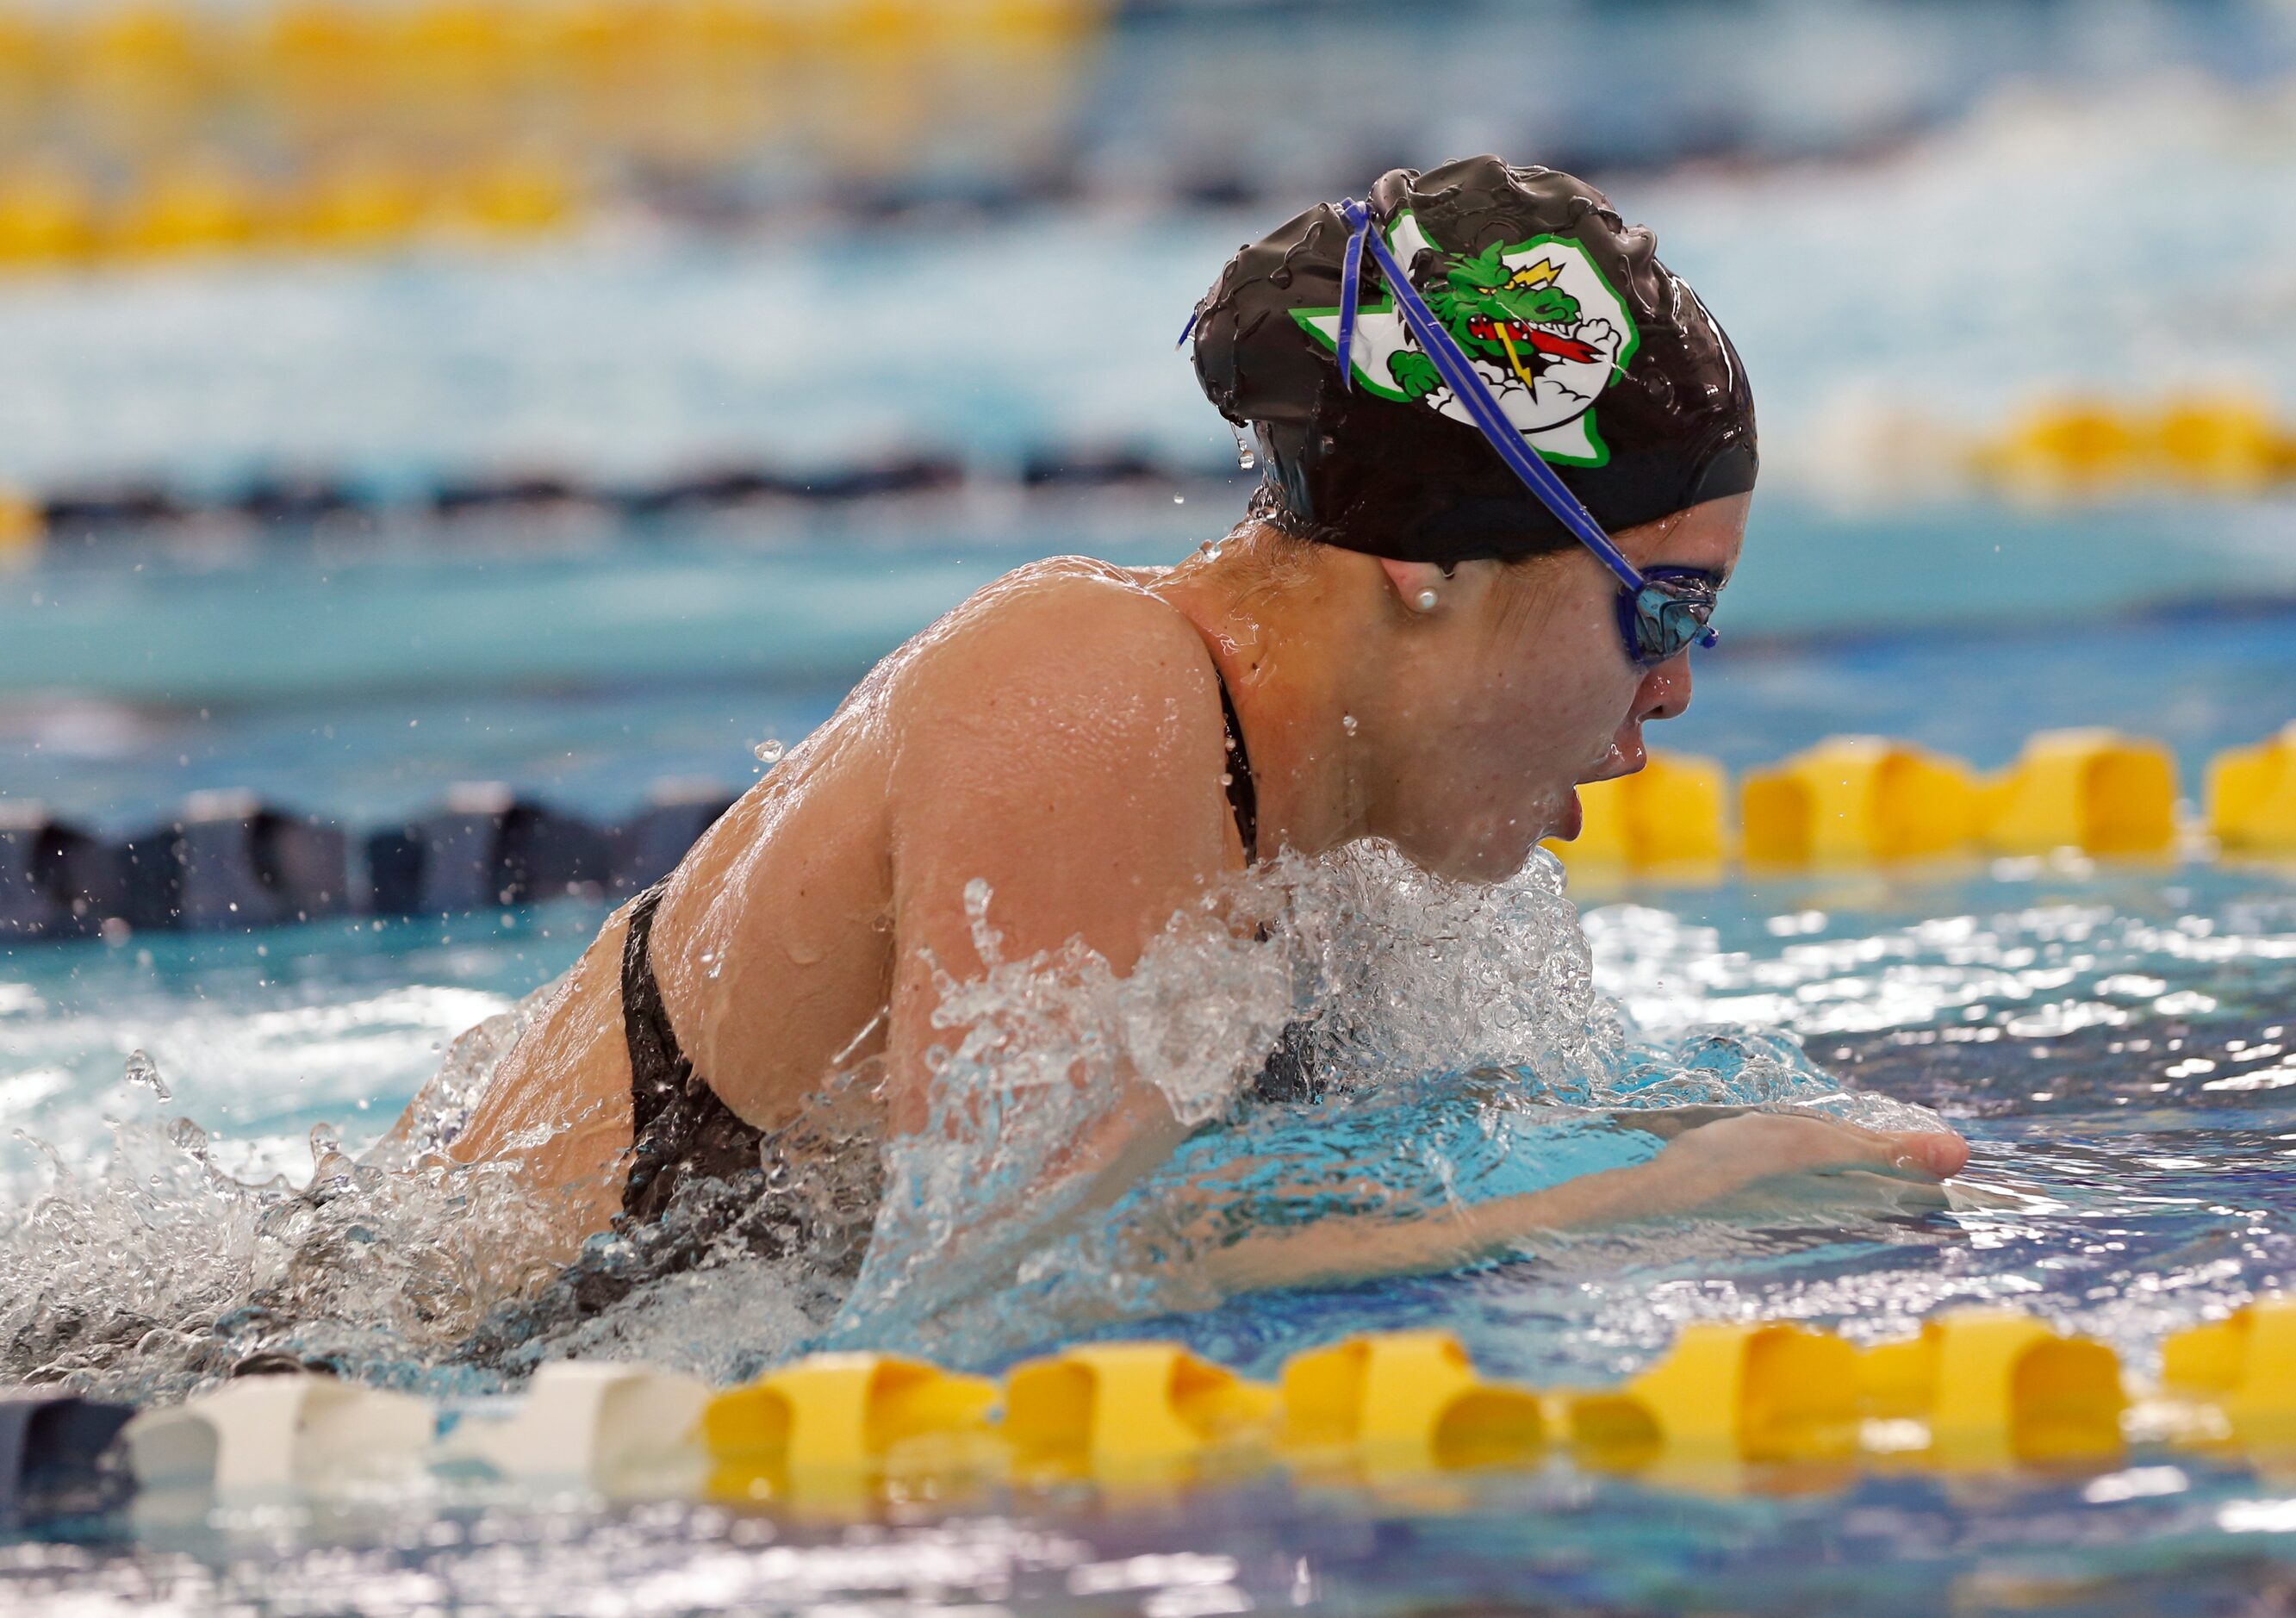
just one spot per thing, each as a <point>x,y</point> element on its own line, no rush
<point>658,1069</point>
<point>1242,795</point>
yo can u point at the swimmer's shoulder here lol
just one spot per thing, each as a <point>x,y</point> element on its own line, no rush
<point>1068,674</point>
<point>1066,625</point>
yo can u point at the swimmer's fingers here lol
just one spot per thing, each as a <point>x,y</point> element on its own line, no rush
<point>1724,1156</point>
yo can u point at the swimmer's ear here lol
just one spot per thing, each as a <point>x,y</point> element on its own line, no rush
<point>1419,585</point>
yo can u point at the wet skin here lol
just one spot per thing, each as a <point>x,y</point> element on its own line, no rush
<point>1059,735</point>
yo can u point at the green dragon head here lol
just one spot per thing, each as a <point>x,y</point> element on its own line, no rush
<point>1483,294</point>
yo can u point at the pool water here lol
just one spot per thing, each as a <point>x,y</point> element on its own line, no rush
<point>2120,1044</point>
<point>2117,1041</point>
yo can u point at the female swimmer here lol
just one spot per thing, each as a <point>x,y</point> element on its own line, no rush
<point>1474,570</point>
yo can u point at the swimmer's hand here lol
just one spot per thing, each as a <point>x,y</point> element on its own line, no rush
<point>1748,1158</point>
<point>1718,1161</point>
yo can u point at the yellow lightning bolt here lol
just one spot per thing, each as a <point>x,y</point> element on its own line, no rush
<point>1541,274</point>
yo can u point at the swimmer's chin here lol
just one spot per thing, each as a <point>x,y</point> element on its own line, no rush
<point>1502,853</point>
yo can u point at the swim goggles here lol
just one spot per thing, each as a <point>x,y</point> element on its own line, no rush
<point>1661,613</point>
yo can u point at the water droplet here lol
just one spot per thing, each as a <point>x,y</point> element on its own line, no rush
<point>1245,456</point>
<point>770,750</point>
<point>145,1071</point>
<point>1348,723</point>
<point>1179,499</point>
<point>1212,550</point>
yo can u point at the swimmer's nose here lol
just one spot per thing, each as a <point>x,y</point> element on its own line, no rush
<point>1932,1152</point>
<point>1665,691</point>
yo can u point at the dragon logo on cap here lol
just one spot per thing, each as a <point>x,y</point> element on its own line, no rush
<point>1543,327</point>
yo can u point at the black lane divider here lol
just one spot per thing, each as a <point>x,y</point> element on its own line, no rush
<point>289,504</point>
<point>230,863</point>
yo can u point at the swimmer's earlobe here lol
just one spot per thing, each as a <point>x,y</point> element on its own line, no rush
<point>1415,583</point>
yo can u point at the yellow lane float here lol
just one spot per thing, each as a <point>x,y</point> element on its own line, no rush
<point>844,1417</point>
<point>1856,800</point>
<point>1667,815</point>
<point>1756,1405</point>
<point>2222,443</point>
<point>1128,1408</point>
<point>2094,789</point>
<point>1405,1401</point>
<point>1994,1389</point>
<point>22,527</point>
<point>2252,796</point>
<point>1728,1391</point>
<point>2245,1366</point>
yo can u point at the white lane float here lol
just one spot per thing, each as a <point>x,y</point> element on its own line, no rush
<point>618,1428</point>
<point>263,1434</point>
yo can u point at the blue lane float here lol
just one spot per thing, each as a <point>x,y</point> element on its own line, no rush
<point>52,1449</point>
<point>487,848</point>
<point>230,862</point>
<point>292,504</point>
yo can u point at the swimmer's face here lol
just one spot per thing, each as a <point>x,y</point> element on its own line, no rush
<point>1528,694</point>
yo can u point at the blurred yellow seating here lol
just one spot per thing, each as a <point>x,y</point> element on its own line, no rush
<point>1996,1388</point>
<point>514,195</point>
<point>360,205</point>
<point>197,206</point>
<point>2245,1366</point>
<point>453,44</point>
<point>1728,1391</point>
<point>46,217</point>
<point>1671,812</point>
<point>140,45</point>
<point>1855,799</point>
<point>837,1413</point>
<point>320,45</point>
<point>2252,796</point>
<point>2094,789</point>
<point>718,34</point>
<point>1119,1407</point>
<point>1407,1401</point>
<point>24,48</point>
<point>1041,21</point>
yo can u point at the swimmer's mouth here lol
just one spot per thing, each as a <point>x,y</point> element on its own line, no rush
<point>1619,762</point>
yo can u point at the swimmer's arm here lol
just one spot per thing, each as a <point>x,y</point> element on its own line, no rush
<point>1066,756</point>
<point>1696,1168</point>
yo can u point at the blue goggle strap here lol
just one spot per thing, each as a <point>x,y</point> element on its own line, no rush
<point>1454,367</point>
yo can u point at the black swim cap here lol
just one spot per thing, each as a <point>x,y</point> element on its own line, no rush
<point>1602,357</point>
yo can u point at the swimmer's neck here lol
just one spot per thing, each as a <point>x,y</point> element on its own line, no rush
<point>1301,671</point>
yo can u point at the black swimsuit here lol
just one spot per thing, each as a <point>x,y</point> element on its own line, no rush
<point>681,1131</point>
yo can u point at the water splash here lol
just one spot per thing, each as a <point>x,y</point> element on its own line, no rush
<point>1461,1022</point>
<point>144,1071</point>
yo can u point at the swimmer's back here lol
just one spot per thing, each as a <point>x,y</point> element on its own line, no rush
<point>1057,733</point>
